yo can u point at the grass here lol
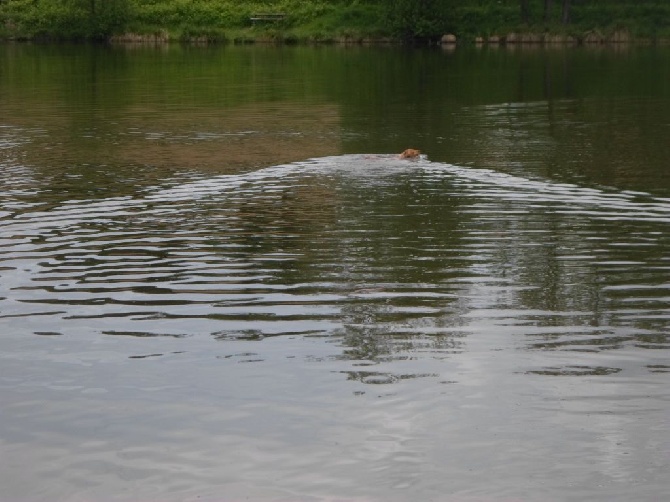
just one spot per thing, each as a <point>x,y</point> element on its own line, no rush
<point>315,20</point>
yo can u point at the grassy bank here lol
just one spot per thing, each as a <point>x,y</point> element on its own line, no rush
<point>322,20</point>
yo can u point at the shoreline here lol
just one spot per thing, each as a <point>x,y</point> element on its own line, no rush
<point>288,37</point>
<point>478,22</point>
<point>593,38</point>
<point>513,39</point>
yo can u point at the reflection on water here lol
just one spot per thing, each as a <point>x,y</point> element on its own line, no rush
<point>490,326</point>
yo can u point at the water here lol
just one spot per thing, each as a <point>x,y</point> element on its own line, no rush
<point>219,282</point>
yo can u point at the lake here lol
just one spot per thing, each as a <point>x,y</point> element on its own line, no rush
<point>219,282</point>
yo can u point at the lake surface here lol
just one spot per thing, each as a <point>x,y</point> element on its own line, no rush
<point>218,281</point>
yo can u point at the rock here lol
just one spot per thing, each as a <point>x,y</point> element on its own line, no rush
<point>620,37</point>
<point>449,38</point>
<point>593,38</point>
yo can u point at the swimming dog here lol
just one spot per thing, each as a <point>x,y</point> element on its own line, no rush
<point>410,153</point>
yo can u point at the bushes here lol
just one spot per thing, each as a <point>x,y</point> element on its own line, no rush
<point>65,19</point>
<point>319,19</point>
<point>411,19</point>
<point>355,21</point>
<point>642,19</point>
<point>190,13</point>
<point>476,20</point>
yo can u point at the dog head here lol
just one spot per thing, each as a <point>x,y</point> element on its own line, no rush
<point>410,153</point>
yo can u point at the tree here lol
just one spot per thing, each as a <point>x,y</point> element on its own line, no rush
<point>417,19</point>
<point>548,5</point>
<point>525,11</point>
<point>547,10</point>
<point>70,19</point>
<point>565,12</point>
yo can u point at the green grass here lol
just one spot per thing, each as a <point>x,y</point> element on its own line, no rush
<point>318,20</point>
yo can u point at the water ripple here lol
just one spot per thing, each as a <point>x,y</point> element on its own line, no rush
<point>373,250</point>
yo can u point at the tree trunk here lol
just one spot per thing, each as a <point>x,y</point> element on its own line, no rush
<point>547,10</point>
<point>565,14</point>
<point>525,11</point>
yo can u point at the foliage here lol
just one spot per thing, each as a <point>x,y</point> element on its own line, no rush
<point>409,19</point>
<point>650,18</point>
<point>324,19</point>
<point>483,19</point>
<point>66,19</point>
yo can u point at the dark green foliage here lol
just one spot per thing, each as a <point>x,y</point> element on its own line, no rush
<point>66,19</point>
<point>472,20</point>
<point>649,18</point>
<point>218,20</point>
<point>422,19</point>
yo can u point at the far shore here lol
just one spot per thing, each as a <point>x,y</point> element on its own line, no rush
<point>591,38</point>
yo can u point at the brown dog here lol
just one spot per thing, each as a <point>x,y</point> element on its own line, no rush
<point>410,153</point>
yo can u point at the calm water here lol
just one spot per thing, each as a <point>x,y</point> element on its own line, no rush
<point>218,282</point>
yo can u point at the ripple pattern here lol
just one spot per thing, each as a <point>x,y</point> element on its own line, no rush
<point>381,254</point>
